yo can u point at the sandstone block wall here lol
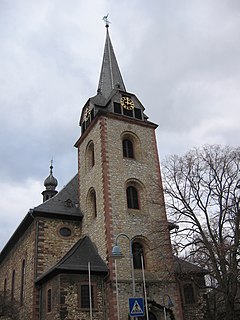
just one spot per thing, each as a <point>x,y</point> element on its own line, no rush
<point>41,246</point>
<point>65,302</point>
<point>23,250</point>
<point>51,245</point>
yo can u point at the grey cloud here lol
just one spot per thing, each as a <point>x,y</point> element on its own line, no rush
<point>181,58</point>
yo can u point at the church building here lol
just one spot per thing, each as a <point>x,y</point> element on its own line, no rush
<point>99,248</point>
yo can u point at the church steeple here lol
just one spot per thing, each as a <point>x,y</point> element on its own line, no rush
<point>118,171</point>
<point>112,96</point>
<point>110,76</point>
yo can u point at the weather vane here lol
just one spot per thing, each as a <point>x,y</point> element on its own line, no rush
<point>105,19</point>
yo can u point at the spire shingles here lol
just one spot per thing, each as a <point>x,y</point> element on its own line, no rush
<point>110,76</point>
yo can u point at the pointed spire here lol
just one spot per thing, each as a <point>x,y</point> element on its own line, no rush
<point>110,76</point>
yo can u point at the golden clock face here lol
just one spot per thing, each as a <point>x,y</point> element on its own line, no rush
<point>87,113</point>
<point>127,103</point>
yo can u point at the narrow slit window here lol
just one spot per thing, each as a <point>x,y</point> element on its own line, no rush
<point>13,285</point>
<point>22,281</point>
<point>91,155</point>
<point>93,203</point>
<point>49,300</point>
<point>5,289</point>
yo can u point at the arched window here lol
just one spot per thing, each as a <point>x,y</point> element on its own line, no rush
<point>90,155</point>
<point>22,281</point>
<point>93,202</point>
<point>127,148</point>
<point>13,285</point>
<point>138,252</point>
<point>131,146</point>
<point>132,198</point>
<point>49,300</point>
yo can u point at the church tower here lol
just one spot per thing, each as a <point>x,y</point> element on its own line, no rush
<point>121,194</point>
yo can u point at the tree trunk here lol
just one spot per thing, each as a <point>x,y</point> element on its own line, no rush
<point>229,307</point>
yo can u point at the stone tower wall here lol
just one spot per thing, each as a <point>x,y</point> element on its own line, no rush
<point>109,177</point>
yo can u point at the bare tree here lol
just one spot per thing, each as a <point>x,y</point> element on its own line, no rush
<point>202,193</point>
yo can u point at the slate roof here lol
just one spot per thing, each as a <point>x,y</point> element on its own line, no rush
<point>63,205</point>
<point>185,267</point>
<point>76,261</point>
<point>110,76</point>
<point>65,202</point>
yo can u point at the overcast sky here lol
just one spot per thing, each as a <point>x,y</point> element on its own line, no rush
<point>181,58</point>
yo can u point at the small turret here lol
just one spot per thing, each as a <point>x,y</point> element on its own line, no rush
<point>50,183</point>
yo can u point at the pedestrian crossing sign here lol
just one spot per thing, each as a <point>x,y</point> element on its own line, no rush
<point>136,307</point>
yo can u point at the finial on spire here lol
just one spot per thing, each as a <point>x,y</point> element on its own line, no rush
<point>51,166</point>
<point>107,22</point>
<point>50,181</point>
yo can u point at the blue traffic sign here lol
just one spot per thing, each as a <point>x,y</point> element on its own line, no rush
<point>136,307</point>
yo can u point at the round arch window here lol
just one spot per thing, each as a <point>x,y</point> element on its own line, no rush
<point>131,146</point>
<point>65,232</point>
